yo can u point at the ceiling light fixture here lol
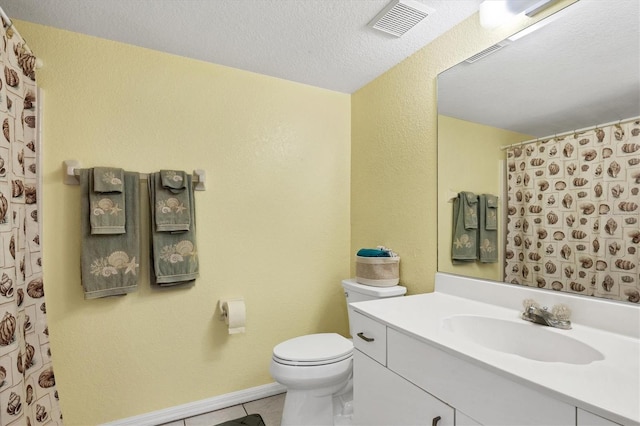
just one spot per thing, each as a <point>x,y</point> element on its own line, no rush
<point>494,13</point>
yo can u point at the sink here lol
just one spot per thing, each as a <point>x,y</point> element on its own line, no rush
<point>532,341</point>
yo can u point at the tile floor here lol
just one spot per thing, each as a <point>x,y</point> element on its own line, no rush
<point>270,409</point>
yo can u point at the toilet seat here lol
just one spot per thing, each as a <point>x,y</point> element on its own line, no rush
<point>313,350</point>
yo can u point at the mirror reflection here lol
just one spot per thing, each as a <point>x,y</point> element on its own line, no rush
<point>566,99</point>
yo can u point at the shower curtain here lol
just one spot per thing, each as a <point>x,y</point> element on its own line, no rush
<point>27,385</point>
<point>573,213</point>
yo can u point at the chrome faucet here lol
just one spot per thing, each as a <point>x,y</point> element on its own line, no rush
<point>558,317</point>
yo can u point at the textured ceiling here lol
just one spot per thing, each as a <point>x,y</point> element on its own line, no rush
<point>580,70</point>
<point>323,43</point>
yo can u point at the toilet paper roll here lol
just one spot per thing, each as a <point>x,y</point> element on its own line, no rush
<point>234,314</point>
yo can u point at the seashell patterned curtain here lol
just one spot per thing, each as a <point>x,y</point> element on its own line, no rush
<point>573,214</point>
<point>27,385</point>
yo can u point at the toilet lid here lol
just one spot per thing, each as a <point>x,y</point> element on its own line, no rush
<point>313,349</point>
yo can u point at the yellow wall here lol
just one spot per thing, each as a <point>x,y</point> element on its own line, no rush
<point>468,160</point>
<point>394,150</point>
<point>273,225</point>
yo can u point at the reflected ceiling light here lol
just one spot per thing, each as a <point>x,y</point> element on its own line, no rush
<point>494,13</point>
<point>544,22</point>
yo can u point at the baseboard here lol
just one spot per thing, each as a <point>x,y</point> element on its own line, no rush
<point>200,407</point>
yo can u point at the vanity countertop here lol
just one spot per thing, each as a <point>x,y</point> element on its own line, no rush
<point>609,387</point>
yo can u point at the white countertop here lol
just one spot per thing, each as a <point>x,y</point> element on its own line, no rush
<point>609,387</point>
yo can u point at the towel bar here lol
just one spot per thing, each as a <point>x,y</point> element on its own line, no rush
<point>72,175</point>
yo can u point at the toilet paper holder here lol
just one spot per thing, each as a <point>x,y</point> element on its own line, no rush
<point>233,312</point>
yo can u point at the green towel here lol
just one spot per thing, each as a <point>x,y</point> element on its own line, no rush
<point>488,240</point>
<point>373,253</point>
<point>491,219</point>
<point>470,210</point>
<point>108,201</point>
<point>109,261</point>
<point>464,247</point>
<point>172,201</point>
<point>174,258</point>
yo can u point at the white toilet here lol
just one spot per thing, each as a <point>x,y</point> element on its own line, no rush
<point>317,368</point>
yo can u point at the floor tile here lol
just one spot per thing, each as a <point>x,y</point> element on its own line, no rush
<point>215,417</point>
<point>270,409</point>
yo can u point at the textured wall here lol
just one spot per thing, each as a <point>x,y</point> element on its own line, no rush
<point>394,167</point>
<point>273,225</point>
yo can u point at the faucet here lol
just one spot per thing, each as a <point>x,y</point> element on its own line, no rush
<point>558,317</point>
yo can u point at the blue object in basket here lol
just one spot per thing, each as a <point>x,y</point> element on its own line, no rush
<point>365,252</point>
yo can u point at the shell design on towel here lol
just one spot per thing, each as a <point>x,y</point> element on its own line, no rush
<point>178,252</point>
<point>118,261</point>
<point>111,179</point>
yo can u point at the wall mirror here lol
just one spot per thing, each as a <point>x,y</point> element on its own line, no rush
<point>578,71</point>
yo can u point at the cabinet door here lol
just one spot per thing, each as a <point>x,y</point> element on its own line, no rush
<point>586,418</point>
<point>381,397</point>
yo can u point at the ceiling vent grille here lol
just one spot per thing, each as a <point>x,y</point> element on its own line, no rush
<point>400,16</point>
<point>486,52</point>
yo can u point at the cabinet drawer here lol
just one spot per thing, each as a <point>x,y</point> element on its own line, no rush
<point>370,337</point>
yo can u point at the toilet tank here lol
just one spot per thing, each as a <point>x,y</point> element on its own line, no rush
<point>355,292</point>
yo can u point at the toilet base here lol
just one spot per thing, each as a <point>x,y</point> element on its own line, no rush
<point>318,408</point>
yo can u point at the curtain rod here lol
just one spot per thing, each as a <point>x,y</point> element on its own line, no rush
<point>5,17</point>
<point>572,132</point>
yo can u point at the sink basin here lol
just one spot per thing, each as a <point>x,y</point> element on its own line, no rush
<point>532,341</point>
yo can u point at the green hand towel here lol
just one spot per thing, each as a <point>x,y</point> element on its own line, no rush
<point>109,261</point>
<point>470,210</point>
<point>172,202</point>
<point>488,240</point>
<point>491,219</point>
<point>174,258</point>
<point>464,247</point>
<point>174,180</point>
<point>108,201</point>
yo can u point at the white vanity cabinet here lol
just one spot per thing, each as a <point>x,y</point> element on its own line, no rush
<point>418,384</point>
<point>382,397</point>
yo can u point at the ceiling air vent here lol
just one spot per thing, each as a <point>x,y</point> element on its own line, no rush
<point>400,16</point>
<point>486,52</point>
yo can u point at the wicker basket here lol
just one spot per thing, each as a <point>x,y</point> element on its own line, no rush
<point>378,271</point>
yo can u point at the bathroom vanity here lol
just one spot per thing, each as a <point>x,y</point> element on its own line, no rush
<point>463,356</point>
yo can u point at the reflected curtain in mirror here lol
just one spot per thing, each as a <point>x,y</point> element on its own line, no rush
<point>573,213</point>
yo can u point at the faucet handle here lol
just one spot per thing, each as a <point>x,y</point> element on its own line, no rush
<point>530,303</point>
<point>561,311</point>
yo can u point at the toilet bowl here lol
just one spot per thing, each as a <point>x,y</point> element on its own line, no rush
<point>317,368</point>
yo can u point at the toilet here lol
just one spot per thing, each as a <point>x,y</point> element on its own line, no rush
<point>317,368</point>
